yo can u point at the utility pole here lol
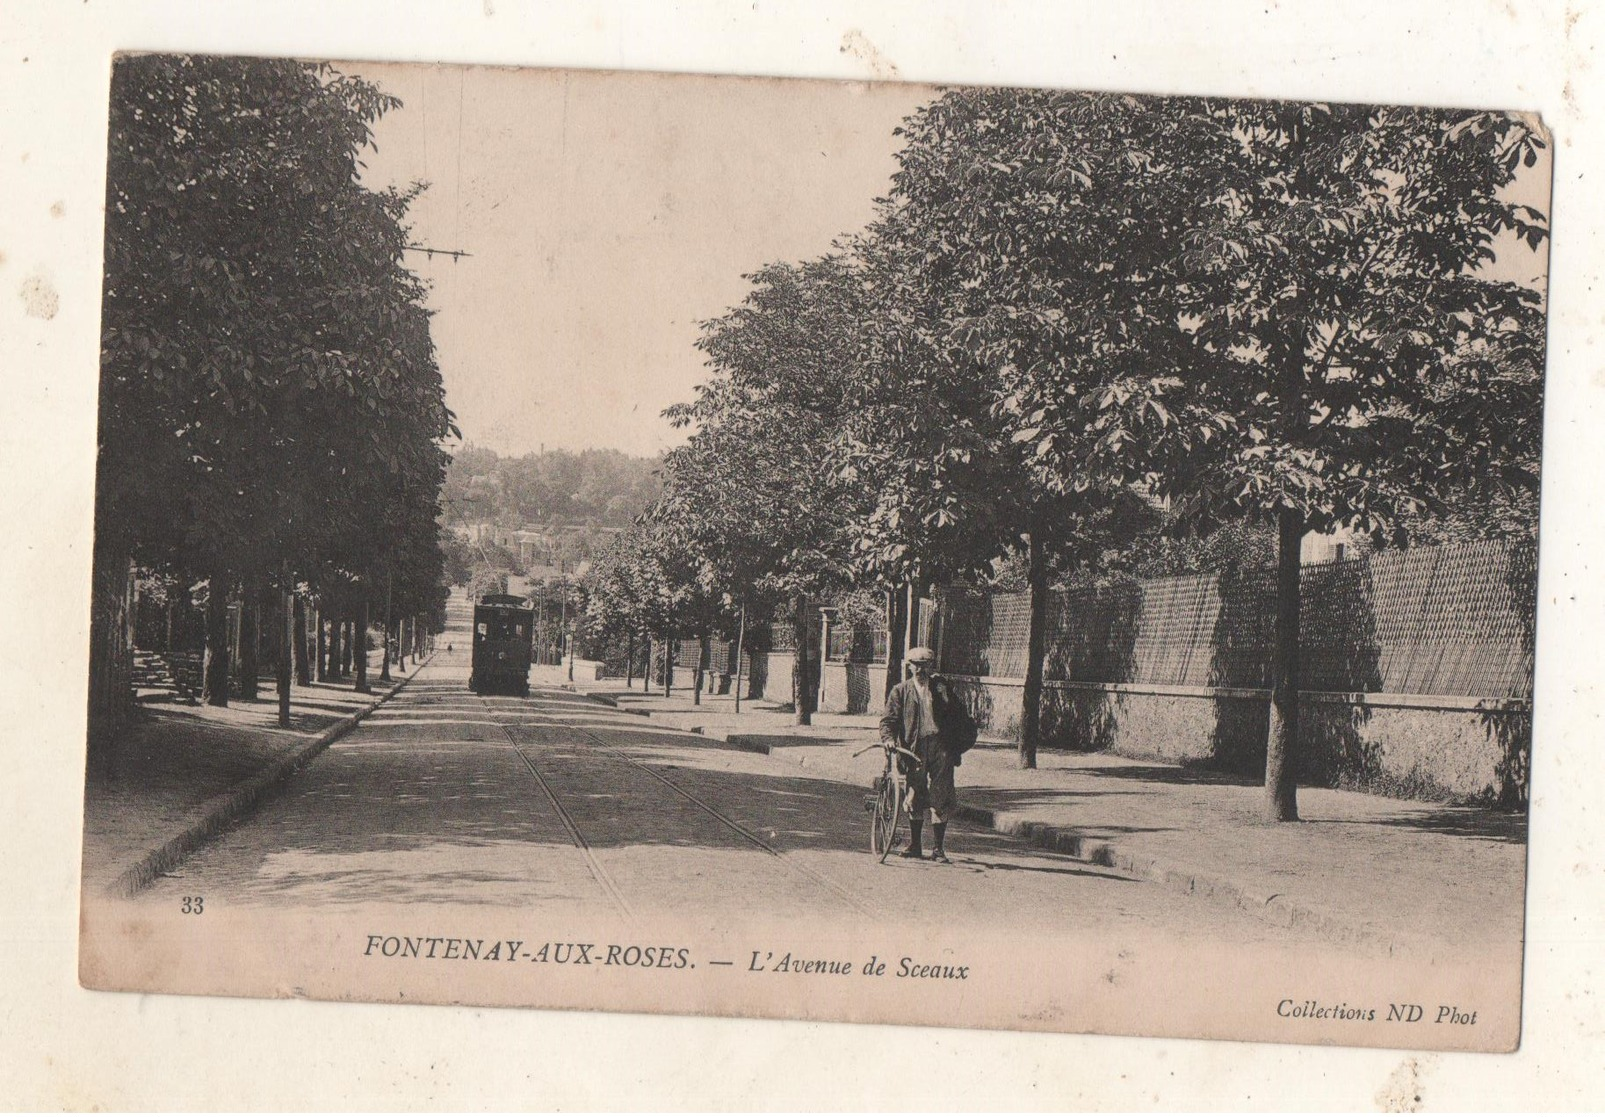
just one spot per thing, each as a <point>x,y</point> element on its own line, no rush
<point>384,668</point>
<point>741,637</point>
<point>567,644</point>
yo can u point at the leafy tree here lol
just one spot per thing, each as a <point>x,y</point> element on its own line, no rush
<point>980,267</point>
<point>1339,289</point>
<point>917,437</point>
<point>258,325</point>
<point>602,488</point>
<point>755,483</point>
<point>1259,310</point>
<point>460,557</point>
<point>651,582</point>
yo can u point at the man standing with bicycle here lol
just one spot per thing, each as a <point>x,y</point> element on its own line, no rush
<point>924,716</point>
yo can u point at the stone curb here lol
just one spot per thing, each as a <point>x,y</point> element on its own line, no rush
<point>1274,908</point>
<point>227,807</point>
<point>736,741</point>
<point>608,700</point>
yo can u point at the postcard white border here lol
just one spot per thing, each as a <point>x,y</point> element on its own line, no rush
<point>61,1046</point>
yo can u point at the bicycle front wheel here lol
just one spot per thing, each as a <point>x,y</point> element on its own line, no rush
<point>887,817</point>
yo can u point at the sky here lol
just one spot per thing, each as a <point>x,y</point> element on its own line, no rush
<point>606,215</point>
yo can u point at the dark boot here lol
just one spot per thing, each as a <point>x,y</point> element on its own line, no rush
<point>938,833</point>
<point>913,849</point>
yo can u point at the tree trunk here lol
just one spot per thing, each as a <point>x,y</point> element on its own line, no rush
<point>250,637</point>
<point>214,663</point>
<point>704,660</point>
<point>1036,648</point>
<point>668,665</point>
<point>569,639</point>
<point>236,629</point>
<point>336,627</point>
<point>741,638</point>
<point>309,638</point>
<point>359,649</point>
<point>1281,745</point>
<point>389,623</point>
<point>286,629</point>
<point>801,692</point>
<point>896,638</point>
<point>322,656</point>
<point>912,604</point>
<point>826,627</point>
<point>629,662</point>
<point>348,638</point>
<point>298,634</point>
<point>110,650</point>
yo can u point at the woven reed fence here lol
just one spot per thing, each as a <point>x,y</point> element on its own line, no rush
<point>1454,620</point>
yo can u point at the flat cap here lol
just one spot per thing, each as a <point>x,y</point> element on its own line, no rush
<point>920,655</point>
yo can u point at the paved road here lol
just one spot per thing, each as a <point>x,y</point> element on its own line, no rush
<point>558,804</point>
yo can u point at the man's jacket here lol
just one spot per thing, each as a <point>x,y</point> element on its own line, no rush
<point>955,727</point>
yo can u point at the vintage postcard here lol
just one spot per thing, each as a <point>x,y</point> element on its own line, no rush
<point>971,557</point>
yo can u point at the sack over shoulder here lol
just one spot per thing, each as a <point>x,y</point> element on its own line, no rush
<point>958,727</point>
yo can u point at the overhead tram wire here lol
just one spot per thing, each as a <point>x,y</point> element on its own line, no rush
<point>455,253</point>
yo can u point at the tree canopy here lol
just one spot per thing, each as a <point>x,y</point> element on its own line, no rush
<point>268,374</point>
<point>271,406</point>
<point>1080,318</point>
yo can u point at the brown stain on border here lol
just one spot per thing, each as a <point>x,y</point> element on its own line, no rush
<point>39,298</point>
<point>857,44</point>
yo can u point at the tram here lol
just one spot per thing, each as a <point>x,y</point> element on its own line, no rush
<point>504,633</point>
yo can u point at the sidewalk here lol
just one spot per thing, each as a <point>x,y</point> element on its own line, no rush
<point>1386,874</point>
<point>179,774</point>
<point>716,716</point>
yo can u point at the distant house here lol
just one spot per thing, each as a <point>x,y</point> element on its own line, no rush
<point>1332,546</point>
<point>550,548</point>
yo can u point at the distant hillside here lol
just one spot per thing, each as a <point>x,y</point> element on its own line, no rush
<point>596,488</point>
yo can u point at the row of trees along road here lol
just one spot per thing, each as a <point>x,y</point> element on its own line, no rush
<point>271,411</point>
<point>1074,312</point>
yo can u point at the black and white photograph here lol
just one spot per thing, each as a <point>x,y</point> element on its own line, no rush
<point>975,556</point>
<point>861,556</point>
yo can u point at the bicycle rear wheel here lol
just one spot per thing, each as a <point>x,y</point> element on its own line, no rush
<point>887,818</point>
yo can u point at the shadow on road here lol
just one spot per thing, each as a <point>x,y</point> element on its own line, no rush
<point>429,783</point>
<point>1458,822</point>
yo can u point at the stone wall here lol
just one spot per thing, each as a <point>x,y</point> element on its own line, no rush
<point>852,688</point>
<point>1413,746</point>
<point>769,676</point>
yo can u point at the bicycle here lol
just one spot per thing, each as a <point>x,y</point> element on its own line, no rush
<point>887,802</point>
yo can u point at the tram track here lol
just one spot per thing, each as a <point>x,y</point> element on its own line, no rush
<point>599,873</point>
<point>782,857</point>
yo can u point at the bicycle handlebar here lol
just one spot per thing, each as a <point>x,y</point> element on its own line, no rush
<point>889,748</point>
